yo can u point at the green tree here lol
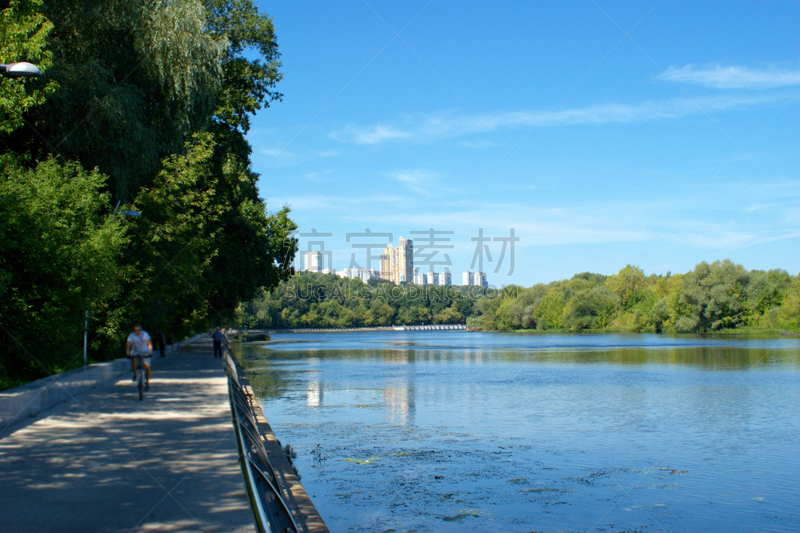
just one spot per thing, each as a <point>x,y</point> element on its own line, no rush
<point>23,33</point>
<point>714,292</point>
<point>60,257</point>
<point>628,285</point>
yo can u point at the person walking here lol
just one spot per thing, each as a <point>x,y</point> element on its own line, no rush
<point>218,337</point>
<point>139,343</point>
<point>161,340</point>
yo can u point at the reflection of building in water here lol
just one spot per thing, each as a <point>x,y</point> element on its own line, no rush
<point>315,393</point>
<point>400,403</point>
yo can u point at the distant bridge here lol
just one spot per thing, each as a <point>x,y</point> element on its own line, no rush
<point>433,327</point>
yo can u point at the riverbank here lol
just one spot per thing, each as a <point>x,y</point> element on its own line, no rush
<point>738,332</point>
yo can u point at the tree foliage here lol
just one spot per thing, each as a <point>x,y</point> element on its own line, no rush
<point>713,297</point>
<point>60,259</point>
<point>310,300</point>
<point>23,34</point>
<point>156,97</point>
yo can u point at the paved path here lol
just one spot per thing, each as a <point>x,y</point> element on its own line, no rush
<point>107,462</point>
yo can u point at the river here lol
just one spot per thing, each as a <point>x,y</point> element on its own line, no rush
<point>462,431</point>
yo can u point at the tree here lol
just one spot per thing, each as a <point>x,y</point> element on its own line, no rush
<point>714,292</point>
<point>549,314</point>
<point>23,31</point>
<point>628,285</point>
<point>60,259</point>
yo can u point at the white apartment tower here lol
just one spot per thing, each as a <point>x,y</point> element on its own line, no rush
<point>313,261</point>
<point>477,279</point>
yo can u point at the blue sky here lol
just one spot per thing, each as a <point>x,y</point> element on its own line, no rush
<point>659,134</point>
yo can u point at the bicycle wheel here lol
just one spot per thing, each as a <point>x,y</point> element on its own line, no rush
<point>141,386</point>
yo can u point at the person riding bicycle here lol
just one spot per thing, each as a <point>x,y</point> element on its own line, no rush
<point>139,344</point>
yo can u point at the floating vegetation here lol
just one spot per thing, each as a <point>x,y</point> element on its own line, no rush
<point>318,455</point>
<point>367,461</point>
<point>460,517</point>
<point>290,453</point>
<point>517,480</point>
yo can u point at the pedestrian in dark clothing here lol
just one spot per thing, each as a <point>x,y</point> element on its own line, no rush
<point>218,337</point>
<point>161,340</point>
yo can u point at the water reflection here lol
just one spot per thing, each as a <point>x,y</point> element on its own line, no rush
<point>315,393</point>
<point>400,404</point>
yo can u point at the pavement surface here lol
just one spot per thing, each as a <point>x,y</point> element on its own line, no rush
<point>104,461</point>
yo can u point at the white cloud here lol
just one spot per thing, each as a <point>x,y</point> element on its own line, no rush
<point>288,157</point>
<point>449,125</point>
<point>375,134</point>
<point>733,77</point>
<point>418,180</point>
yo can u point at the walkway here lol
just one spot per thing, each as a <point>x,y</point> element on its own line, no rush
<point>107,462</point>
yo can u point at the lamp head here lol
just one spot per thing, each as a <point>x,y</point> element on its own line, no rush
<point>20,70</point>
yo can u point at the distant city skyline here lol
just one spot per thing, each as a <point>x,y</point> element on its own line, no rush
<point>658,134</point>
<point>397,266</point>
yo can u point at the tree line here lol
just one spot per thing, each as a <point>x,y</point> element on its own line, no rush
<point>313,300</point>
<point>143,107</point>
<point>713,297</point>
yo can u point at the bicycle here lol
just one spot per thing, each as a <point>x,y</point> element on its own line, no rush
<point>140,373</point>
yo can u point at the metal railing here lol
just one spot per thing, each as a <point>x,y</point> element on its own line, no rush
<point>270,513</point>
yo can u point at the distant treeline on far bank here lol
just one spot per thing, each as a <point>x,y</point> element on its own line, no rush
<point>718,296</point>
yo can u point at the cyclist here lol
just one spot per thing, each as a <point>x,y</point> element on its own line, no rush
<point>139,343</point>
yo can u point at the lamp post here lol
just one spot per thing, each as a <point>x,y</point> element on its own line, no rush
<point>19,70</point>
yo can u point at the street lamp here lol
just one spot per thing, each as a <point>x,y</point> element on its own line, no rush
<point>19,70</point>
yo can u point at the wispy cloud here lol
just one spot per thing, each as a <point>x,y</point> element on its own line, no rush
<point>288,157</point>
<point>449,124</point>
<point>733,77</point>
<point>372,135</point>
<point>418,180</point>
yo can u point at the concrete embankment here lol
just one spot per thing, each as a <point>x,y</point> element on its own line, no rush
<point>104,461</point>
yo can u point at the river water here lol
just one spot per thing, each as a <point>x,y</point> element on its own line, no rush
<point>460,431</point>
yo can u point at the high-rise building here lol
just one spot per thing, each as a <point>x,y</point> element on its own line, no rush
<point>397,263</point>
<point>313,261</point>
<point>420,278</point>
<point>364,274</point>
<point>474,278</point>
<point>431,278</point>
<point>444,278</point>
